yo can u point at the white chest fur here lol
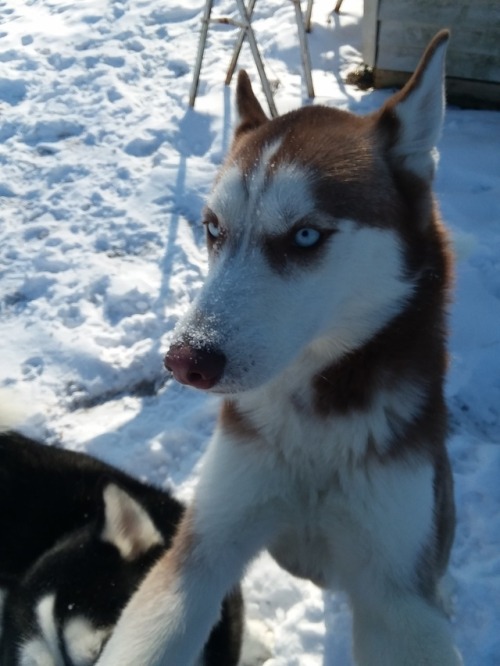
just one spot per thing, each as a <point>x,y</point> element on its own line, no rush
<point>371,523</point>
<point>346,511</point>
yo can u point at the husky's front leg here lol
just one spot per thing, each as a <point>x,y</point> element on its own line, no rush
<point>168,620</point>
<point>405,630</point>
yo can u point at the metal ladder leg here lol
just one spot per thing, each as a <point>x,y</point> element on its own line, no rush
<point>256,56</point>
<point>239,44</point>
<point>307,20</point>
<point>304,50</point>
<point>201,49</point>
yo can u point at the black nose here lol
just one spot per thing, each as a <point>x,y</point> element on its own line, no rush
<point>201,368</point>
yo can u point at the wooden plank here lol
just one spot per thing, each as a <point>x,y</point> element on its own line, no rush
<point>395,34</point>
<point>462,67</point>
<point>471,38</point>
<point>461,92</point>
<point>472,54</point>
<point>443,13</point>
<point>369,27</point>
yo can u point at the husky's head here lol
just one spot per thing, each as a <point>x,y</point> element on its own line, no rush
<point>318,227</point>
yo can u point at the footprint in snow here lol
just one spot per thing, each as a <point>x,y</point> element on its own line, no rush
<point>145,146</point>
<point>32,367</point>
<point>179,68</point>
<point>49,131</point>
<point>12,91</point>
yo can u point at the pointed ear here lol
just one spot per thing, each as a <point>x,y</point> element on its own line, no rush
<point>250,113</point>
<point>418,110</point>
<point>127,526</point>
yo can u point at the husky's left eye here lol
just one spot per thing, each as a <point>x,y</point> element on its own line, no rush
<point>212,225</point>
<point>307,237</point>
<point>213,229</point>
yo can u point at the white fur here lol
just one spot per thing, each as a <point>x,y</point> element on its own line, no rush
<point>35,653</point>
<point>408,633</point>
<point>325,525</point>
<point>83,641</point>
<point>421,116</point>
<point>127,525</point>
<point>43,650</point>
<point>353,433</point>
<point>46,622</point>
<point>246,208</point>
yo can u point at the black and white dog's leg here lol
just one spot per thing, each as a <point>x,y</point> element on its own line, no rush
<point>230,520</point>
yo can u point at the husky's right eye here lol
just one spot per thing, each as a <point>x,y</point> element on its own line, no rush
<point>307,237</point>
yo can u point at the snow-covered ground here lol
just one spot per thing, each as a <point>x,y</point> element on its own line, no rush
<point>103,173</point>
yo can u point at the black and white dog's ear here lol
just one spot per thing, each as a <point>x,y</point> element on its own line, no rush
<point>250,112</point>
<point>417,111</point>
<point>127,525</point>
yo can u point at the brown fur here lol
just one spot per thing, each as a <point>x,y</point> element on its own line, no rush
<point>357,176</point>
<point>168,568</point>
<point>234,423</point>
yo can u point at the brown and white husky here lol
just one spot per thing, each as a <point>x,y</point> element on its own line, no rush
<point>322,326</point>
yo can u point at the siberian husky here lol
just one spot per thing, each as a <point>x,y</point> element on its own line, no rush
<point>78,536</point>
<point>322,326</point>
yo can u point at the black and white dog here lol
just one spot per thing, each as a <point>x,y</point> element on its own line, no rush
<point>77,538</point>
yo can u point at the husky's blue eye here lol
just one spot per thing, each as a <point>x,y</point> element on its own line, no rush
<point>307,237</point>
<point>211,222</point>
<point>213,229</point>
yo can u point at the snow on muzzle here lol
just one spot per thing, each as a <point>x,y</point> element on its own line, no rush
<point>208,342</point>
<point>195,357</point>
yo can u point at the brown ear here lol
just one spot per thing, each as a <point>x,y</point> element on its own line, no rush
<point>417,111</point>
<point>250,112</point>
